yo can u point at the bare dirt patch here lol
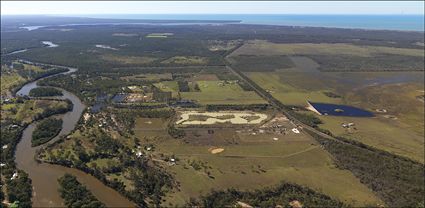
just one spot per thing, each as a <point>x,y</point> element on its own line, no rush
<point>216,150</point>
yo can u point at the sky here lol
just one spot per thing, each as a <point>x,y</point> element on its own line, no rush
<point>211,7</point>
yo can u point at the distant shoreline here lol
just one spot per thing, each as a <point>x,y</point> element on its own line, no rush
<point>404,23</point>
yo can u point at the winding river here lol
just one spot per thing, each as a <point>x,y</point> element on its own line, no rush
<point>44,176</point>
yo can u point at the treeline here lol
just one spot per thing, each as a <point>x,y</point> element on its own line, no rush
<point>45,92</point>
<point>224,107</point>
<point>75,194</point>
<point>53,111</point>
<point>398,181</point>
<point>183,86</point>
<point>304,118</point>
<point>46,130</point>
<point>30,74</point>
<point>283,195</point>
<point>308,119</point>
<point>341,63</point>
<point>18,189</point>
<point>150,182</point>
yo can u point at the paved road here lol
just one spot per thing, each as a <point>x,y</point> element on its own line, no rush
<point>276,103</point>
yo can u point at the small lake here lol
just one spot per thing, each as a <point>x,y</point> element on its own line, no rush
<point>340,110</point>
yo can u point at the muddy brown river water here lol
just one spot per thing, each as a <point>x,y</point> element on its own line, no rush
<point>44,176</point>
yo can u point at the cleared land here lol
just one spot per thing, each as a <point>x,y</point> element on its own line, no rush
<point>331,57</point>
<point>168,86</point>
<point>287,93</point>
<point>254,161</point>
<point>186,60</point>
<point>268,48</point>
<point>127,59</point>
<point>261,63</point>
<point>222,92</point>
<point>10,80</point>
<point>398,130</point>
<point>25,112</point>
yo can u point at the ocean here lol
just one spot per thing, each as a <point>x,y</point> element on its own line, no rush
<point>375,22</point>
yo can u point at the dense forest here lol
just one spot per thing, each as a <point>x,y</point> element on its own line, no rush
<point>46,130</point>
<point>398,181</point>
<point>283,195</point>
<point>75,194</point>
<point>45,92</point>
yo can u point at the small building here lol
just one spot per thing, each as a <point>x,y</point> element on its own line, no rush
<point>14,176</point>
<point>295,130</point>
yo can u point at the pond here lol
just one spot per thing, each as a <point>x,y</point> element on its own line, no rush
<point>339,110</point>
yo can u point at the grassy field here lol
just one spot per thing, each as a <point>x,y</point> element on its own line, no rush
<point>186,60</point>
<point>260,63</point>
<point>10,80</point>
<point>254,161</point>
<point>221,92</point>
<point>127,59</point>
<point>32,68</point>
<point>205,77</point>
<point>402,135</point>
<point>24,112</point>
<point>168,86</point>
<point>293,88</point>
<point>398,130</point>
<point>378,132</point>
<point>268,48</point>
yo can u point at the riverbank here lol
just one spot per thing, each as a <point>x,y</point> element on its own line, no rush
<point>44,176</point>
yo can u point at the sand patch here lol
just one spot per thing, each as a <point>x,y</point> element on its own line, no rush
<point>216,150</point>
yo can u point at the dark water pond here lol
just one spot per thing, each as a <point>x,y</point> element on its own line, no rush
<point>119,98</point>
<point>340,110</point>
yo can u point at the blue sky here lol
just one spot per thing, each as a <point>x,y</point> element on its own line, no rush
<point>212,7</point>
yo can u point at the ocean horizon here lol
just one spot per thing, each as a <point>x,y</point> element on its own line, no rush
<point>372,22</point>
